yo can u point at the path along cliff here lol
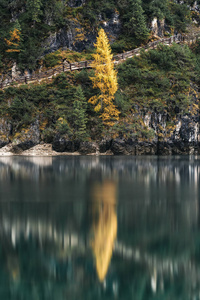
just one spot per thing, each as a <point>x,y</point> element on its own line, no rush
<point>36,78</point>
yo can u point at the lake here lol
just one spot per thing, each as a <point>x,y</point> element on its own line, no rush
<point>107,227</point>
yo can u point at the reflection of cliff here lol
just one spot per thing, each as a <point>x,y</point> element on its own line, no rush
<point>104,225</point>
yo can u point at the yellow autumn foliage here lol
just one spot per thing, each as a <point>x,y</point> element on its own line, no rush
<point>104,226</point>
<point>14,41</point>
<point>105,79</point>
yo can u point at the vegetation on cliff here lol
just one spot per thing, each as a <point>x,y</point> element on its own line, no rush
<point>163,80</point>
<point>39,20</point>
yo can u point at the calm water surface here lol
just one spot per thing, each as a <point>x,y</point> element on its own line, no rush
<point>99,228</point>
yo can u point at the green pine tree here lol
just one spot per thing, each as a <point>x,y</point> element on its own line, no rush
<point>135,22</point>
<point>79,115</point>
<point>34,6</point>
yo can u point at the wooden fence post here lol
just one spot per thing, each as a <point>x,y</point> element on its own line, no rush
<point>70,66</point>
<point>86,64</point>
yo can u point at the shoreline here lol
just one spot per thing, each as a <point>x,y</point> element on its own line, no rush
<point>106,148</point>
<point>42,150</point>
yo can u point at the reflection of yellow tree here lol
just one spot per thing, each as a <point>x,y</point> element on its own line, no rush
<point>13,267</point>
<point>104,225</point>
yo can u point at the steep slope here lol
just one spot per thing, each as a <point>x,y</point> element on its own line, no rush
<point>47,26</point>
<point>158,90</point>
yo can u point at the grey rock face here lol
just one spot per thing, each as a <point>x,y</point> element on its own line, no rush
<point>105,145</point>
<point>15,71</point>
<point>88,147</point>
<point>158,27</point>
<point>62,144</point>
<point>112,27</point>
<point>65,37</point>
<point>5,131</point>
<point>76,3</point>
<point>28,137</point>
<point>69,37</point>
<point>132,147</point>
<point>171,137</point>
<point>118,147</point>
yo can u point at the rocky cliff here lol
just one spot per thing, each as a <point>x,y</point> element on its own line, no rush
<point>180,137</point>
<point>48,26</point>
<point>158,112</point>
<point>76,37</point>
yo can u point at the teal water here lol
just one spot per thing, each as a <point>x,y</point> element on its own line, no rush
<point>99,228</point>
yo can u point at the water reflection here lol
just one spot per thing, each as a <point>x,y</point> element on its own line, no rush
<point>104,226</point>
<point>146,179</point>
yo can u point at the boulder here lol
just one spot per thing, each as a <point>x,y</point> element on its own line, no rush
<point>105,145</point>
<point>27,137</point>
<point>145,148</point>
<point>118,147</point>
<point>88,147</point>
<point>63,144</point>
<point>5,132</point>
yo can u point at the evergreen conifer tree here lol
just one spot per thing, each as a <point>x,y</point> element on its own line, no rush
<point>79,115</point>
<point>105,79</point>
<point>34,6</point>
<point>135,22</point>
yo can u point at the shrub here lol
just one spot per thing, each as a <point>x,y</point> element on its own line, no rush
<point>19,109</point>
<point>52,59</point>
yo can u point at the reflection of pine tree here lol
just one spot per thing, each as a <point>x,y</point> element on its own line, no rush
<point>79,115</point>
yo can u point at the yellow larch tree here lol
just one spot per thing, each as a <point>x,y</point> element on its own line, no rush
<point>14,41</point>
<point>105,79</point>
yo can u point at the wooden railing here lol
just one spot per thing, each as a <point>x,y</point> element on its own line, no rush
<point>25,79</point>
